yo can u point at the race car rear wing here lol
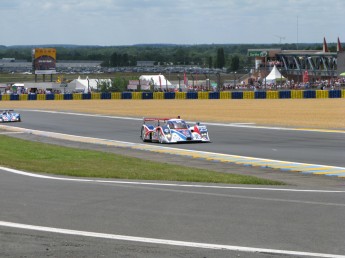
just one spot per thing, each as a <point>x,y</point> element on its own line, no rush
<point>155,119</point>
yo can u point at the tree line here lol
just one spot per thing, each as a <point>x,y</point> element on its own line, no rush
<point>230,56</point>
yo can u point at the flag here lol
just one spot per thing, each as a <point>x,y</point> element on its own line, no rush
<point>305,76</point>
<point>185,79</point>
<point>339,47</point>
<point>325,47</point>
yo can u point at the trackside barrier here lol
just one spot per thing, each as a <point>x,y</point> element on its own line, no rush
<point>285,94</point>
<point>192,95</point>
<point>214,95</point>
<point>23,97</point>
<point>260,94</point>
<point>116,95</point>
<point>14,97</point>
<point>68,96</point>
<point>137,95</point>
<point>334,94</point>
<point>77,96</point>
<point>225,95</point>
<point>203,95</point>
<point>158,95</point>
<point>86,96</point>
<point>32,97</point>
<point>59,96</point>
<point>322,94</point>
<point>126,95</point>
<point>237,95</point>
<point>169,95</point>
<point>180,95</point>
<point>147,95</point>
<point>309,94</point>
<point>297,94</point>
<point>248,95</point>
<point>50,96</point>
<point>41,97</point>
<point>95,95</point>
<point>272,95</point>
<point>105,95</point>
<point>294,94</point>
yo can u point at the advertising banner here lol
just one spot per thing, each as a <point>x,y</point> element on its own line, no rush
<point>44,60</point>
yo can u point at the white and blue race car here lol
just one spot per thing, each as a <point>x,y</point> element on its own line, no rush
<point>9,116</point>
<point>172,130</point>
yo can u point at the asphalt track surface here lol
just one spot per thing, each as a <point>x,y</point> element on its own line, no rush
<point>132,219</point>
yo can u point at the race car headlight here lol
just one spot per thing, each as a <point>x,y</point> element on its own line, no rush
<point>168,135</point>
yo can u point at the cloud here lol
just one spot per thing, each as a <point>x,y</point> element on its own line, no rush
<point>113,22</point>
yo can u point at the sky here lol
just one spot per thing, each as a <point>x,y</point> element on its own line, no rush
<point>191,22</point>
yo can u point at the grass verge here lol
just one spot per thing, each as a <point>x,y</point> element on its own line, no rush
<point>47,158</point>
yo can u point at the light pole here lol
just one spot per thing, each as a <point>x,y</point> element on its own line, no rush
<point>218,81</point>
<point>179,82</point>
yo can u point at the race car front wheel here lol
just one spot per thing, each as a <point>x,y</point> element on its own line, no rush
<point>160,137</point>
<point>142,135</point>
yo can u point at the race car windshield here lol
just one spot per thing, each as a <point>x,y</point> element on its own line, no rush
<point>179,125</point>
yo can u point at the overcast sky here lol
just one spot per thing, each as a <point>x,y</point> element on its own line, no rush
<point>129,22</point>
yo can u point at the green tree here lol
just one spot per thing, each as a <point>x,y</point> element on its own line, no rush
<point>235,63</point>
<point>220,58</point>
<point>210,62</point>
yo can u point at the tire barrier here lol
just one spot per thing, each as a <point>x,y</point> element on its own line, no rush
<point>32,97</point>
<point>248,95</point>
<point>58,96</point>
<point>272,95</point>
<point>237,95</point>
<point>105,95</point>
<point>260,94</point>
<point>192,95</point>
<point>41,97</point>
<point>334,94</point>
<point>147,95</point>
<point>214,95</point>
<point>296,94</point>
<point>95,95</point>
<point>309,94</point>
<point>137,95</point>
<point>293,94</point>
<point>180,95</point>
<point>126,95</point>
<point>169,95</point>
<point>204,95</point>
<point>225,95</point>
<point>158,95</point>
<point>285,94</point>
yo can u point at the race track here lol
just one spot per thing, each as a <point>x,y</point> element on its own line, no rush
<point>60,217</point>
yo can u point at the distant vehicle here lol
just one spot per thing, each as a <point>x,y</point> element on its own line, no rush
<point>9,116</point>
<point>172,130</point>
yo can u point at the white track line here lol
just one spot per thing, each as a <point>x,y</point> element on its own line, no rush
<point>165,241</point>
<point>23,173</point>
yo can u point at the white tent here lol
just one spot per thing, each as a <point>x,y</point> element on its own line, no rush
<point>157,81</point>
<point>84,85</point>
<point>274,75</point>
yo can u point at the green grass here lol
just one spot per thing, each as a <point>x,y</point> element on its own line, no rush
<point>47,158</point>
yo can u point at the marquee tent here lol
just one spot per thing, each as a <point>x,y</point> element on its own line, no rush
<point>274,76</point>
<point>157,81</point>
<point>84,85</point>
